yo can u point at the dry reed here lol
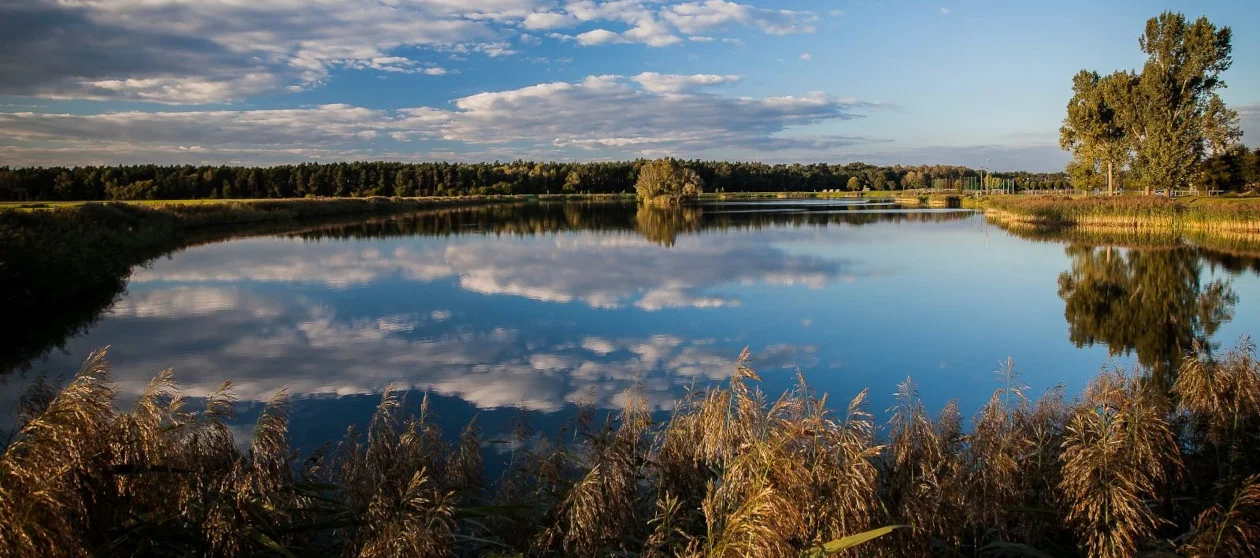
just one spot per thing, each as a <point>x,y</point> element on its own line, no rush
<point>729,473</point>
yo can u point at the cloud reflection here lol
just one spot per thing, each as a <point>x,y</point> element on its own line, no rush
<point>598,270</point>
<point>267,342</point>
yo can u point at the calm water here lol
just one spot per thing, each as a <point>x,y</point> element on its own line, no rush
<point>540,307</point>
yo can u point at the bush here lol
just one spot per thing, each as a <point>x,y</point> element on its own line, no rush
<point>666,181</point>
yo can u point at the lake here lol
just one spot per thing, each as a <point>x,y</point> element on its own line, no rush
<point>536,308</point>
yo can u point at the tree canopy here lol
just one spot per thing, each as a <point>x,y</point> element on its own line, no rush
<point>384,178</point>
<point>1163,121</point>
<point>667,181</point>
<point>1093,129</point>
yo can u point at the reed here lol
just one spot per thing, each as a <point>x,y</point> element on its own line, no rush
<point>1232,216</point>
<point>1123,469</point>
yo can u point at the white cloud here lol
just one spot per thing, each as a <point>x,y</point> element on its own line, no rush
<point>652,34</point>
<point>606,111</point>
<point>671,83</point>
<point>307,347</point>
<point>597,37</point>
<point>648,112</point>
<point>174,89</point>
<point>658,24</point>
<point>278,127</point>
<point>199,52</point>
<point>396,64</point>
<point>598,346</point>
<point>945,10</point>
<point>806,56</point>
<point>179,52</point>
<point>548,20</point>
<point>697,17</point>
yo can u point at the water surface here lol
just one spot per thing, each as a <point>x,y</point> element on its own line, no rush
<point>543,307</point>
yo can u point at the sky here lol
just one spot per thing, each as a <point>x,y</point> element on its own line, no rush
<point>981,83</point>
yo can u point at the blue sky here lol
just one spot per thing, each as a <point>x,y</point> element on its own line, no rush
<point>276,81</point>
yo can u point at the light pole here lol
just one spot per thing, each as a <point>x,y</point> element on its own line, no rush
<point>984,187</point>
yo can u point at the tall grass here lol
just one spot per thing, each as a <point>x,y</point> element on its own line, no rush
<point>1123,469</point>
<point>1227,215</point>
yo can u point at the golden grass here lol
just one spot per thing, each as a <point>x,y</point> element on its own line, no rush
<point>1220,215</point>
<point>1124,469</point>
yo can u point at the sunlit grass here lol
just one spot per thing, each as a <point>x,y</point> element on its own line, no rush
<point>1222,214</point>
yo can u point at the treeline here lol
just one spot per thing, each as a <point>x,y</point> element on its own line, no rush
<point>1232,170</point>
<point>359,179</point>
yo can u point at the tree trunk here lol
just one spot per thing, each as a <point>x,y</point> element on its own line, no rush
<point>1111,190</point>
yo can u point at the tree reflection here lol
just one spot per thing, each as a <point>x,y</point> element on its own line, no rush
<point>1151,302</point>
<point>662,225</point>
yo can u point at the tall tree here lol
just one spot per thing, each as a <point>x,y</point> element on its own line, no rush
<point>1176,115</point>
<point>1163,121</point>
<point>1093,130</point>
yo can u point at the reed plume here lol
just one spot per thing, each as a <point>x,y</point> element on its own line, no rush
<point>1117,452</point>
<point>730,472</point>
<point>49,471</point>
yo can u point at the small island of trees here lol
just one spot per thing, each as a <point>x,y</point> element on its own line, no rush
<point>665,181</point>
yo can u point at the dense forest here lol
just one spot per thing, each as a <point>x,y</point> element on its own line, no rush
<point>450,179</point>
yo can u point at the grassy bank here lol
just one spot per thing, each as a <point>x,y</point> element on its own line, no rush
<point>1120,469</point>
<point>939,201</point>
<point>1219,215</point>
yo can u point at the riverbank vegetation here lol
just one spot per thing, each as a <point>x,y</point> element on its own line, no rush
<point>1222,216</point>
<point>1125,467</point>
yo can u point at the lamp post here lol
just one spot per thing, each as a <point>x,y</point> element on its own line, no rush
<point>984,187</point>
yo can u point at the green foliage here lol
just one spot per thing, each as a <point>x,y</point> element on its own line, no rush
<point>1226,171</point>
<point>1176,114</point>
<point>848,542</point>
<point>359,179</point>
<point>1164,120</point>
<point>667,181</point>
<point>1093,129</point>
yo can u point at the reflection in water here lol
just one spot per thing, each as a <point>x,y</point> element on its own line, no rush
<point>663,224</point>
<point>1152,302</point>
<point>1233,254</point>
<point>544,305</point>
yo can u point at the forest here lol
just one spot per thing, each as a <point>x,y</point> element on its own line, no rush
<point>359,179</point>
